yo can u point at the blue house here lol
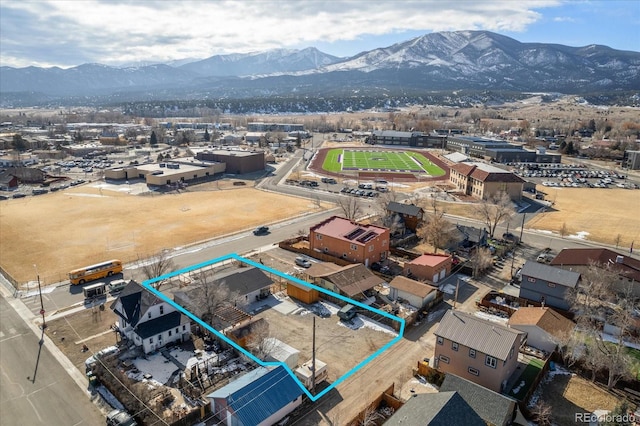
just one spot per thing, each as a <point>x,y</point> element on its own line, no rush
<point>261,397</point>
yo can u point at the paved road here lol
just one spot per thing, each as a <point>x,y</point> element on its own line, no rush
<point>35,389</point>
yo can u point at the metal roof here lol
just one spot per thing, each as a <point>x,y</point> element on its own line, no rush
<point>484,336</point>
<point>550,274</point>
<point>259,394</point>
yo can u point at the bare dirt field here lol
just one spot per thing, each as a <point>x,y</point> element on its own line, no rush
<point>87,224</point>
<point>601,213</point>
<point>571,394</point>
<point>89,327</point>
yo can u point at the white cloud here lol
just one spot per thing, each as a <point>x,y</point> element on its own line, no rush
<point>115,32</point>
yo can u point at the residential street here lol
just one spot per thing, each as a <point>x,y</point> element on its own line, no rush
<point>36,389</point>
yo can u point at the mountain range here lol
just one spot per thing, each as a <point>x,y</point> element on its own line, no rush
<point>441,61</point>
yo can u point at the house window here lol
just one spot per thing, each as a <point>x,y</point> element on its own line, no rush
<point>454,346</point>
<point>169,333</point>
<point>149,315</point>
<point>370,248</point>
<point>440,340</point>
<point>531,280</point>
<point>353,247</point>
<point>511,353</point>
<point>490,362</point>
<point>184,327</point>
<point>551,285</point>
<point>318,237</point>
<point>161,310</point>
<point>473,371</point>
<point>177,330</point>
<point>444,359</point>
<point>472,353</point>
<point>150,339</point>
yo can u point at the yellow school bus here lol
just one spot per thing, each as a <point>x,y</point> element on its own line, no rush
<point>95,272</point>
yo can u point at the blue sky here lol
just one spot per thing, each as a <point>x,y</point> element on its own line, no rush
<point>118,32</point>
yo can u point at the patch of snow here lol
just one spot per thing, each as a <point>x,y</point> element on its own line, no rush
<point>582,235</point>
<point>448,288</point>
<point>361,321</point>
<point>157,366</point>
<point>490,317</point>
<point>421,381</point>
<point>109,398</point>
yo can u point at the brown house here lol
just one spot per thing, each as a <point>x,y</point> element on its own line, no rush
<point>625,267</point>
<point>410,216</point>
<point>429,267</point>
<point>478,350</point>
<point>482,180</point>
<point>543,325</point>
<point>351,281</point>
<point>350,240</point>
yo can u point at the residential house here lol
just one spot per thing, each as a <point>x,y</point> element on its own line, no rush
<point>483,181</point>
<point>247,285</point>
<point>429,267</point>
<point>543,325</point>
<point>148,321</point>
<point>261,397</point>
<point>416,293</point>
<point>406,216</point>
<point>494,408</point>
<point>350,240</point>
<point>547,284</point>
<point>352,281</point>
<point>435,409</point>
<point>476,349</point>
<point>470,237</point>
<point>625,267</point>
<point>8,181</point>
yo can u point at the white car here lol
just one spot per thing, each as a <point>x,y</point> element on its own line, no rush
<point>301,261</point>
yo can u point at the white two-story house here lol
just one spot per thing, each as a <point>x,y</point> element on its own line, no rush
<point>148,321</point>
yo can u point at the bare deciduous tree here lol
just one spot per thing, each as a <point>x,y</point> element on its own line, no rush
<point>438,231</point>
<point>617,240</point>
<point>564,230</point>
<point>350,207</point>
<point>494,210</point>
<point>481,260</point>
<point>157,265</point>
<point>542,413</point>
<point>260,342</point>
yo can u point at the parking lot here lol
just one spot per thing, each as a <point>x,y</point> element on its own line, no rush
<point>572,176</point>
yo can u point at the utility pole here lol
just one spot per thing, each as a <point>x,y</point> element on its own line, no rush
<point>44,324</point>
<point>455,298</point>
<point>313,359</point>
<point>522,227</point>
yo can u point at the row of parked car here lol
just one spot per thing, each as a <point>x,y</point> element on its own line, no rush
<point>359,192</point>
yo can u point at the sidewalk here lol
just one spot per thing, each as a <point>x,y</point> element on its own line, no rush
<point>34,322</point>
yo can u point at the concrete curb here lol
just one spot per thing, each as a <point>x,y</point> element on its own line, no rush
<point>33,322</point>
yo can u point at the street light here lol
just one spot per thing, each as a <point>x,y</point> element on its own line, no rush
<point>44,324</point>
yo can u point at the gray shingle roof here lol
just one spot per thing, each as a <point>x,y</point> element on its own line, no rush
<point>436,409</point>
<point>406,209</point>
<point>492,407</point>
<point>550,274</point>
<point>482,335</point>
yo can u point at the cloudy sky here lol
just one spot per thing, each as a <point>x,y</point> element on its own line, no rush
<point>67,33</point>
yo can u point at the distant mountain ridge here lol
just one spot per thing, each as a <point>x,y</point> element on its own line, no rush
<point>459,60</point>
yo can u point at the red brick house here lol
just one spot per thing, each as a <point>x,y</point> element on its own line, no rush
<point>350,240</point>
<point>429,267</point>
<point>482,180</point>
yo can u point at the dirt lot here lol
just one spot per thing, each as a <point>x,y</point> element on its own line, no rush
<point>337,345</point>
<point>570,394</point>
<point>90,327</point>
<point>87,224</point>
<point>602,213</point>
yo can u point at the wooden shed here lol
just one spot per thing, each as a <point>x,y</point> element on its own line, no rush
<point>303,293</point>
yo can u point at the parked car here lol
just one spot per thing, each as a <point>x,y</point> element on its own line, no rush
<point>120,418</point>
<point>261,230</point>
<point>301,261</point>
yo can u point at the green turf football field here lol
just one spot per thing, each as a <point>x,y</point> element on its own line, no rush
<point>338,160</point>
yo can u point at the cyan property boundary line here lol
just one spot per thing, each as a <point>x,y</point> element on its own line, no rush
<point>148,284</point>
